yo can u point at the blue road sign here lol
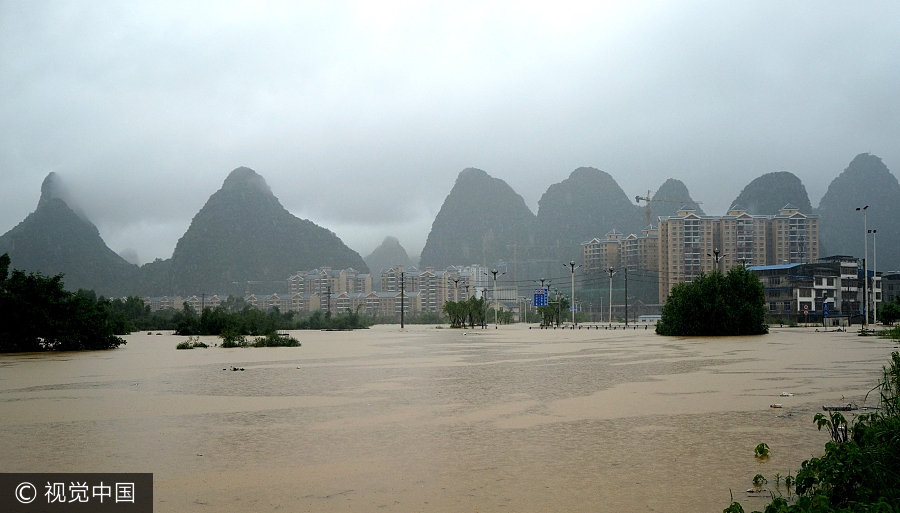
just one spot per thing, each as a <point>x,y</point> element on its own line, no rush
<point>825,309</point>
<point>540,297</point>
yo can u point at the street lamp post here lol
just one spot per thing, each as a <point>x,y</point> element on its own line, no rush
<point>455,281</point>
<point>611,272</point>
<point>558,308</point>
<point>865,267</point>
<point>484,298</point>
<point>494,272</point>
<point>573,266</point>
<point>874,278</point>
<point>717,257</point>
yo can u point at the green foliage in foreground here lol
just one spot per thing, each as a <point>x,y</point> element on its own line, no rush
<point>38,314</point>
<point>716,305</point>
<point>860,470</point>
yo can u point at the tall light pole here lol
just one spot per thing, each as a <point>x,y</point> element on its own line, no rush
<point>455,281</point>
<point>865,268</point>
<point>494,272</point>
<point>874,279</point>
<point>573,266</point>
<point>611,273</point>
<point>717,257</point>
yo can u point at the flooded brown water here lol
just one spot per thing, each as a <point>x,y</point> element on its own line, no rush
<point>440,420</point>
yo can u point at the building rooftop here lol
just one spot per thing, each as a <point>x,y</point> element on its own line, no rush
<point>771,267</point>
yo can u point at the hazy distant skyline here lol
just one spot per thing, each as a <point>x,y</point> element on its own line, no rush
<point>361,115</point>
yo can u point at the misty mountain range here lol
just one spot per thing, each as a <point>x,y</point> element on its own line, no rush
<point>244,239</point>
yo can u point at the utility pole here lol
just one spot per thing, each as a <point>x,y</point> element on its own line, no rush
<point>328,300</point>
<point>402,306</point>
<point>573,266</point>
<point>484,299</point>
<point>612,273</point>
<point>558,308</point>
<point>865,267</point>
<point>874,279</point>
<point>626,295</point>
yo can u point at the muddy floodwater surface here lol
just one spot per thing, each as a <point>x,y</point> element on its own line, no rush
<point>437,420</point>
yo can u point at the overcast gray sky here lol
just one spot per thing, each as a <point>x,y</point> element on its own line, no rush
<point>361,114</point>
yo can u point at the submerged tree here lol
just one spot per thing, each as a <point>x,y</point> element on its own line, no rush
<point>38,314</point>
<point>461,313</point>
<point>716,304</point>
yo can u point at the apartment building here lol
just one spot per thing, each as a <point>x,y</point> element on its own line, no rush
<point>601,254</point>
<point>324,280</point>
<point>792,237</point>
<point>891,284</point>
<point>743,239</point>
<point>199,303</point>
<point>687,243</point>
<point>690,244</point>
<point>164,303</point>
<point>640,251</point>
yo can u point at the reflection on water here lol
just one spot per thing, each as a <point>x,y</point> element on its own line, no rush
<point>435,420</point>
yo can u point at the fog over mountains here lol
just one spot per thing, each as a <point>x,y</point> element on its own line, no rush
<point>243,238</point>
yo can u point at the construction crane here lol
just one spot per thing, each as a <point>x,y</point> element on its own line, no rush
<point>648,199</point>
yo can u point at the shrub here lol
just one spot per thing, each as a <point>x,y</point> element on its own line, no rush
<point>191,343</point>
<point>716,304</point>
<point>233,339</point>
<point>276,340</point>
<point>889,313</point>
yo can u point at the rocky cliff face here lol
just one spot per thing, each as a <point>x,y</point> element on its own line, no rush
<point>243,234</point>
<point>585,205</point>
<point>387,255</point>
<point>57,238</point>
<point>866,181</point>
<point>769,193</point>
<point>479,219</point>
<point>669,199</point>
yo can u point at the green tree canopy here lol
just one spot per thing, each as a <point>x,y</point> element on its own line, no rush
<point>716,304</point>
<point>889,313</point>
<point>38,314</point>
